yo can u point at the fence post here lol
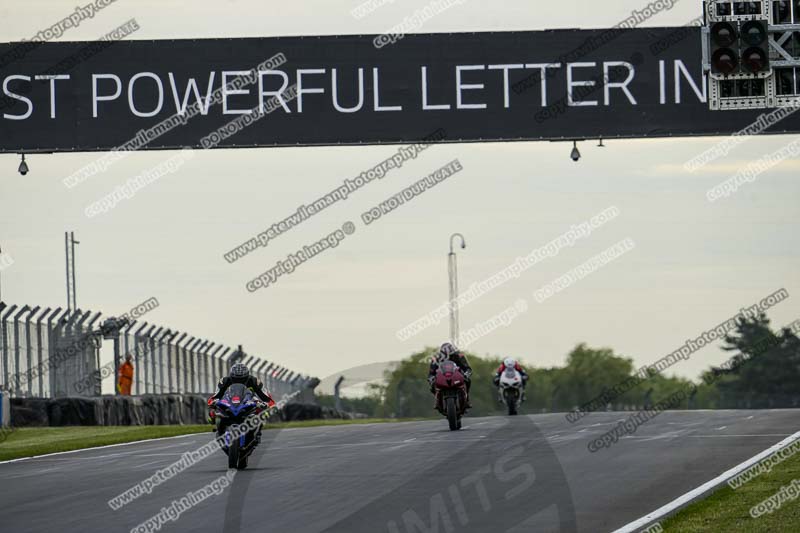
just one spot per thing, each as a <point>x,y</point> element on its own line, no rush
<point>163,366</point>
<point>52,337</point>
<point>65,333</point>
<point>172,362</point>
<point>149,359</point>
<point>4,344</point>
<point>337,401</point>
<point>125,331</point>
<point>180,361</point>
<point>214,367</point>
<point>39,364</point>
<point>207,366</point>
<point>160,341</point>
<point>21,312</point>
<point>98,390</point>
<point>223,357</point>
<point>200,366</point>
<point>29,348</point>
<point>140,370</point>
<point>153,359</point>
<point>81,366</point>
<point>260,374</point>
<point>192,366</point>
<point>6,359</point>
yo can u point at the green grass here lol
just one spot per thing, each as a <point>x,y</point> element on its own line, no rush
<point>729,510</point>
<point>28,442</point>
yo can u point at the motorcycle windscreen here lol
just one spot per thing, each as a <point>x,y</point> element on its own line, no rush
<point>448,366</point>
<point>237,393</point>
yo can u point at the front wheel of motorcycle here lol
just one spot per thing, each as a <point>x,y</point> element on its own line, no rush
<point>233,454</point>
<point>511,402</point>
<point>452,413</point>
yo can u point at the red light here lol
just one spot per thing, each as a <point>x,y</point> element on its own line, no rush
<point>754,60</point>
<point>723,34</point>
<point>724,60</point>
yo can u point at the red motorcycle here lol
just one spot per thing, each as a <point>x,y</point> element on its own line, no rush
<point>451,393</point>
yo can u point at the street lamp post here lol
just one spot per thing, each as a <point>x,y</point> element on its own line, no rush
<point>69,252</point>
<point>1,275</point>
<point>452,270</point>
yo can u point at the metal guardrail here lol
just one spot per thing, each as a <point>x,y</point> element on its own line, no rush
<point>48,353</point>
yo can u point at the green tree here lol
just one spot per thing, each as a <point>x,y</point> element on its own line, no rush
<point>589,372</point>
<point>766,367</point>
<point>407,394</point>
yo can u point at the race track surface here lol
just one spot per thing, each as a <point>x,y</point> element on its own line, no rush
<point>527,473</point>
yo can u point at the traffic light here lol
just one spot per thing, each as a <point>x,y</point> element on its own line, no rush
<point>755,41</point>
<point>724,48</point>
<point>739,47</point>
<point>751,52</point>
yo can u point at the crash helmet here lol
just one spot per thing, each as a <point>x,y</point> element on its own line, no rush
<point>239,372</point>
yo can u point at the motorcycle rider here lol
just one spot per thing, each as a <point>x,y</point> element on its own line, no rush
<point>510,362</point>
<point>448,352</point>
<point>240,374</point>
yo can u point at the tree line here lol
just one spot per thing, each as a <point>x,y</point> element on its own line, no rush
<point>762,371</point>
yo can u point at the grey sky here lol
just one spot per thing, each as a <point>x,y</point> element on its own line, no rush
<point>695,263</point>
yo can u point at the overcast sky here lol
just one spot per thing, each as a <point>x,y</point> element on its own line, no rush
<point>694,265</point>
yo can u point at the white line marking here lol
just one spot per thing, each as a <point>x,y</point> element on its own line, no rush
<point>725,436</point>
<point>664,435</point>
<point>156,454</point>
<point>721,428</point>
<point>705,487</point>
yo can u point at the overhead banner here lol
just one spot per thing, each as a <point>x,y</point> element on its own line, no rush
<point>360,89</point>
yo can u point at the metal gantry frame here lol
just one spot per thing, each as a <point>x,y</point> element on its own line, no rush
<point>779,35</point>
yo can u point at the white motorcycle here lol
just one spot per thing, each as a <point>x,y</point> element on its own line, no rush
<point>510,389</point>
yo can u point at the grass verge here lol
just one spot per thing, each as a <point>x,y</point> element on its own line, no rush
<point>729,510</point>
<point>28,442</point>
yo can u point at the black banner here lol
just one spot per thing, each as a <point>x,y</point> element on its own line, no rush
<point>491,86</point>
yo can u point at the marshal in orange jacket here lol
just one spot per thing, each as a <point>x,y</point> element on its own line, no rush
<point>125,378</point>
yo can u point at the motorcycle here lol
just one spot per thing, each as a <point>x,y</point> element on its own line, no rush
<point>230,413</point>
<point>510,389</point>
<point>451,393</point>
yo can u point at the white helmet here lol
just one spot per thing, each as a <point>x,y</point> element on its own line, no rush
<point>510,362</point>
<point>445,351</point>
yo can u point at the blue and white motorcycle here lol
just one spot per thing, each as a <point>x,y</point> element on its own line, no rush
<point>238,425</point>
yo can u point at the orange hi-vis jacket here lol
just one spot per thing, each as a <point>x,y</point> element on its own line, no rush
<point>125,378</point>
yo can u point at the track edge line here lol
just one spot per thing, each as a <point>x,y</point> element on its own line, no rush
<point>702,490</point>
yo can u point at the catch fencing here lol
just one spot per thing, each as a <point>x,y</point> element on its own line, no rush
<point>47,353</point>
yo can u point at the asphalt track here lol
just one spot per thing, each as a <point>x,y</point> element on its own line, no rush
<point>527,473</point>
